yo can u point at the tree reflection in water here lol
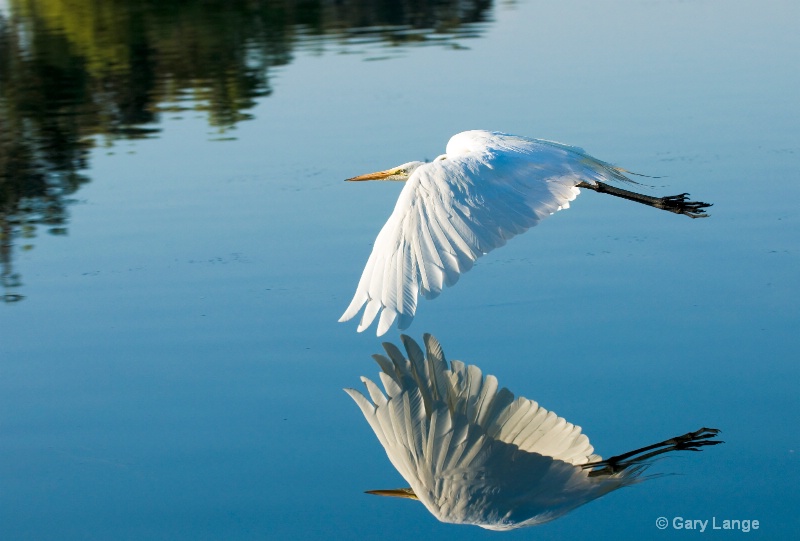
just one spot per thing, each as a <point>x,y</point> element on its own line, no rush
<point>74,73</point>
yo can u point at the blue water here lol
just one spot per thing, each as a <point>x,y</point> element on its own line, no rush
<point>174,370</point>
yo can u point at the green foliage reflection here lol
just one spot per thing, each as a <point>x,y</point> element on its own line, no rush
<point>76,73</point>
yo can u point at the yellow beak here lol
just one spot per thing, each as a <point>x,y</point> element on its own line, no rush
<point>395,493</point>
<point>378,175</point>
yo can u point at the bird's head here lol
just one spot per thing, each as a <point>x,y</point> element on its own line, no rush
<point>399,173</point>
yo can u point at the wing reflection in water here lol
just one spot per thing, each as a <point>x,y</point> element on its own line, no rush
<point>73,74</point>
<point>473,454</point>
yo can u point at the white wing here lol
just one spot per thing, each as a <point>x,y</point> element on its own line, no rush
<point>472,453</point>
<point>488,188</point>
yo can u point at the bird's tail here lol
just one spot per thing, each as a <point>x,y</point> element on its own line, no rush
<point>603,171</point>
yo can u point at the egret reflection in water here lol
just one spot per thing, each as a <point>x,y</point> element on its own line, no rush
<point>473,454</point>
<point>486,189</point>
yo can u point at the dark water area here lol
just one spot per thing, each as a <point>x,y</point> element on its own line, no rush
<point>75,76</point>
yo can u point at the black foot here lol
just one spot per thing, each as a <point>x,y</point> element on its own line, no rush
<point>693,440</point>
<point>680,205</point>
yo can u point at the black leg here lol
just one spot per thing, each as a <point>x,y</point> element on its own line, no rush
<point>692,441</point>
<point>678,204</point>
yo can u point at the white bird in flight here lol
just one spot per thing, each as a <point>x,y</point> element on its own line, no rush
<point>486,189</point>
<point>474,454</point>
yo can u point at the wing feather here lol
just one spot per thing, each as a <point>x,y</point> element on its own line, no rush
<point>393,388</point>
<point>385,364</point>
<point>373,306</point>
<point>387,318</point>
<point>375,393</point>
<point>437,366</point>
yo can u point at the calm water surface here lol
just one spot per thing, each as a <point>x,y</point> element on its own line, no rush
<point>177,245</point>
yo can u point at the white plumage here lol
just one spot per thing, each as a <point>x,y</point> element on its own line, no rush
<point>473,454</point>
<point>486,189</point>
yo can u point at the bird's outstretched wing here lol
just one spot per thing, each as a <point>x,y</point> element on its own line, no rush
<point>471,452</point>
<point>488,188</point>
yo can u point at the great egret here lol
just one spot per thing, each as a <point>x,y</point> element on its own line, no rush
<point>475,455</point>
<point>486,189</point>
